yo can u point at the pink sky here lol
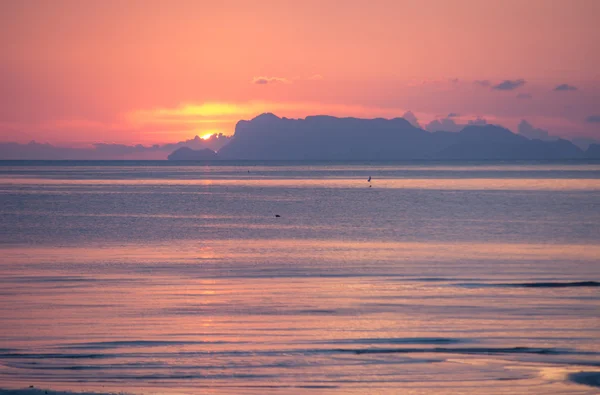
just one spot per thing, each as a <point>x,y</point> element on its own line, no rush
<point>128,71</point>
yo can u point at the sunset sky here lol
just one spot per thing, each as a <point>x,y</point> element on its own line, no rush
<point>126,71</point>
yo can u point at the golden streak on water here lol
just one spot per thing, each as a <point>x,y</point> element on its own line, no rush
<point>496,184</point>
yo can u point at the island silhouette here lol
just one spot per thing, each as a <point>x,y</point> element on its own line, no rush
<point>269,137</point>
<point>324,137</point>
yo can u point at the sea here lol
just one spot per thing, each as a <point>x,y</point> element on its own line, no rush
<point>299,277</point>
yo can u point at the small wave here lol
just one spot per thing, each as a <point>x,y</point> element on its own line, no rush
<point>39,391</point>
<point>275,352</point>
<point>543,284</point>
<point>591,379</point>
<point>137,343</point>
<point>556,284</point>
<point>402,340</point>
<point>19,355</point>
<point>467,350</point>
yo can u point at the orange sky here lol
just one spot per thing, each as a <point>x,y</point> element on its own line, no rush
<point>76,72</point>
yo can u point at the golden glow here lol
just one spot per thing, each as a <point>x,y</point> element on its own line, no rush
<point>188,251</point>
<point>192,113</point>
<point>472,184</point>
<point>206,136</point>
<point>221,117</point>
<point>232,112</point>
<point>275,62</point>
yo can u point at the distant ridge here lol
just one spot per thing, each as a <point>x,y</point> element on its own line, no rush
<point>103,151</point>
<point>323,137</point>
<point>593,151</point>
<point>268,137</point>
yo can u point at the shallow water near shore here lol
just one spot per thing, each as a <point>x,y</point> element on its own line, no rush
<point>434,278</point>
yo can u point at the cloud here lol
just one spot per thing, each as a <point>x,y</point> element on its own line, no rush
<point>443,125</point>
<point>449,125</point>
<point>282,80</point>
<point>524,96</point>
<point>270,80</point>
<point>527,130</point>
<point>593,119</point>
<point>449,83</point>
<point>477,122</point>
<point>509,85</point>
<point>506,85</point>
<point>410,117</point>
<point>453,115</point>
<point>564,88</point>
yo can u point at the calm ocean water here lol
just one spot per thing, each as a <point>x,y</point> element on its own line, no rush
<point>440,278</point>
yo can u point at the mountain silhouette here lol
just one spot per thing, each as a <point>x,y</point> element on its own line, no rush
<point>268,137</point>
<point>326,138</point>
<point>104,151</point>
<point>497,143</point>
<point>323,137</point>
<point>593,151</point>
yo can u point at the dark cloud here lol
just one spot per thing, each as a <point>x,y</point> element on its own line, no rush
<point>593,119</point>
<point>527,130</point>
<point>565,87</point>
<point>270,80</point>
<point>509,85</point>
<point>524,96</point>
<point>411,118</point>
<point>484,83</point>
<point>453,115</point>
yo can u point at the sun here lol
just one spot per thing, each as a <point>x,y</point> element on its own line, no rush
<point>206,136</point>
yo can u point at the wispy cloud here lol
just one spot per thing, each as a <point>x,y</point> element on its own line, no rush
<point>593,119</point>
<point>270,80</point>
<point>524,96</point>
<point>509,85</point>
<point>565,88</point>
<point>282,80</point>
<point>483,83</point>
<point>449,82</point>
